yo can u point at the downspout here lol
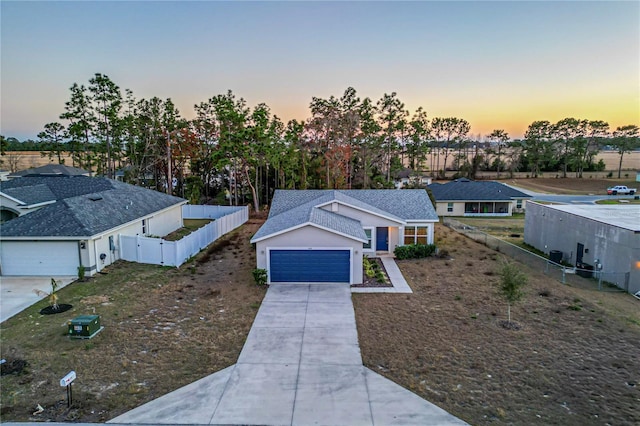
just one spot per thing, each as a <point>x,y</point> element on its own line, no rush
<point>95,251</point>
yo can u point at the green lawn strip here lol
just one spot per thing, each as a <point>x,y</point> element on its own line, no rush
<point>190,225</point>
<point>618,202</point>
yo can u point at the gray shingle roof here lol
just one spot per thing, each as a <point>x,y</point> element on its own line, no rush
<point>292,208</point>
<point>111,205</point>
<point>50,170</point>
<point>469,190</point>
<point>59,187</point>
<point>30,195</point>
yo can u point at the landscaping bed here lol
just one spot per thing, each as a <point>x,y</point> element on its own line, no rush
<point>378,277</point>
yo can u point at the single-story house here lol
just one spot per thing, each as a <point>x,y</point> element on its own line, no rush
<point>465,197</point>
<point>322,235</point>
<point>590,235</point>
<point>64,222</point>
<point>408,177</point>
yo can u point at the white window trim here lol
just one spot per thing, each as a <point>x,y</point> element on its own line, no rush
<point>373,240</point>
<point>429,235</point>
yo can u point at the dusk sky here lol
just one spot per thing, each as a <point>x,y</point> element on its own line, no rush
<point>498,65</point>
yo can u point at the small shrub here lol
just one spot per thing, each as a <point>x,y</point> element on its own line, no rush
<point>369,269</point>
<point>414,251</point>
<point>81,272</point>
<point>260,276</point>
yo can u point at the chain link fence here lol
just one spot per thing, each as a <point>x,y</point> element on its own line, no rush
<point>576,277</point>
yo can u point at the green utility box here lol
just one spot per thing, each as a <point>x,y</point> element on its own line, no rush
<point>84,326</point>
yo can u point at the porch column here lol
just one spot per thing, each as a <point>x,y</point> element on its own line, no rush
<point>400,235</point>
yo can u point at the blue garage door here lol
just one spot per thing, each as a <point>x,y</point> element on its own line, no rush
<point>310,266</point>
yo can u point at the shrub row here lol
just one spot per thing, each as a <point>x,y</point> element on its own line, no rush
<point>414,251</point>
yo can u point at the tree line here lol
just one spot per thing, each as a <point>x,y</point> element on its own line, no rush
<point>242,152</point>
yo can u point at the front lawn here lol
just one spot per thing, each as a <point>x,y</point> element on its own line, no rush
<point>574,360</point>
<point>164,328</point>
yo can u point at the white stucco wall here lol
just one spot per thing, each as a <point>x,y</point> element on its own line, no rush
<point>309,237</point>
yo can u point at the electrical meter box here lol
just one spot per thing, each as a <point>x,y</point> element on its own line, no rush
<point>84,326</point>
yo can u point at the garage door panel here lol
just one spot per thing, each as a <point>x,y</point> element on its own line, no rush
<point>310,265</point>
<point>39,258</point>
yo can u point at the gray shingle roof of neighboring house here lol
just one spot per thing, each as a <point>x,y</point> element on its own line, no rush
<point>51,170</point>
<point>469,190</point>
<point>91,213</point>
<point>37,189</point>
<point>293,208</point>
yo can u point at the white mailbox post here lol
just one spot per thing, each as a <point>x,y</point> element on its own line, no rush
<point>67,381</point>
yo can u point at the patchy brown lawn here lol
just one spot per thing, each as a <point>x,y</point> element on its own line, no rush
<point>573,362</point>
<point>164,328</point>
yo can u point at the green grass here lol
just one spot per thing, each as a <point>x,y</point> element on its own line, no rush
<point>190,225</point>
<point>617,202</point>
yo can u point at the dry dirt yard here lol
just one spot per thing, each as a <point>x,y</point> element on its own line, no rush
<point>574,360</point>
<point>164,328</point>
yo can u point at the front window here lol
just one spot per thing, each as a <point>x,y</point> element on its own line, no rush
<point>450,207</point>
<point>367,245</point>
<point>519,204</point>
<point>415,234</point>
<point>144,227</point>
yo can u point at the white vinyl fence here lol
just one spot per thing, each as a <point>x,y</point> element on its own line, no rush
<point>157,251</point>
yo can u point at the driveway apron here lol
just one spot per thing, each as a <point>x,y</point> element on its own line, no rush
<point>300,365</point>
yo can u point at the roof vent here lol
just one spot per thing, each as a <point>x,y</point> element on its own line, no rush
<point>95,197</point>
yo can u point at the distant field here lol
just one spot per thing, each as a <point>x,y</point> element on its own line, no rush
<point>583,186</point>
<point>631,162</point>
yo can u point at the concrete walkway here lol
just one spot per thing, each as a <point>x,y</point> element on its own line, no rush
<point>300,365</point>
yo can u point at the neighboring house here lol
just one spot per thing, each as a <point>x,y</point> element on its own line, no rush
<point>322,235</point>
<point>408,177</point>
<point>590,235</point>
<point>51,170</point>
<point>69,221</point>
<point>464,197</point>
<point>4,175</point>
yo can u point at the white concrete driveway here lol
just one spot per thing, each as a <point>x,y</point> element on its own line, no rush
<point>16,293</point>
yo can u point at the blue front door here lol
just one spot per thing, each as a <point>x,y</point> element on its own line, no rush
<point>382,239</point>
